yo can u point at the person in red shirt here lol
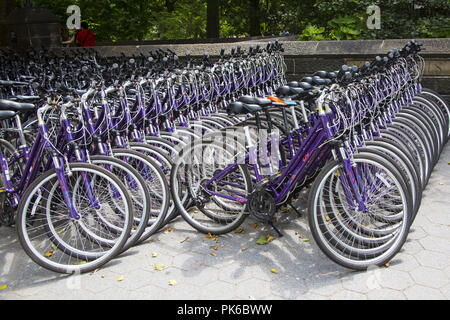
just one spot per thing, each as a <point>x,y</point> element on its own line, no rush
<point>85,37</point>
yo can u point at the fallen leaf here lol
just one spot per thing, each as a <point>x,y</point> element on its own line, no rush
<point>159,267</point>
<point>168,230</point>
<point>120,278</point>
<point>209,235</point>
<point>195,211</point>
<point>3,287</point>
<point>262,240</point>
<point>273,270</point>
<point>285,210</point>
<point>214,247</point>
<point>154,254</point>
<point>172,282</point>
<point>270,238</point>
<point>305,240</point>
<point>327,218</point>
<point>222,246</point>
<point>255,225</point>
<point>213,254</point>
<point>53,246</point>
<point>243,249</point>
<point>387,264</point>
<point>102,276</point>
<point>80,262</point>
<point>441,183</point>
<point>201,263</point>
<point>239,230</point>
<point>48,254</point>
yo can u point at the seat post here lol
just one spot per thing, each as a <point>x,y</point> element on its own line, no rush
<point>23,141</point>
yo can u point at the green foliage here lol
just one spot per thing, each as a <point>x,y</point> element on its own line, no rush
<point>123,20</point>
<point>345,28</point>
<point>312,32</point>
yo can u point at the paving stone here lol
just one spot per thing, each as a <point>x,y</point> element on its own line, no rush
<point>287,286</point>
<point>361,282</point>
<point>411,246</point>
<point>348,295</point>
<point>150,292</point>
<point>433,259</point>
<point>219,290</point>
<point>417,233</point>
<point>324,284</point>
<point>418,292</point>
<point>433,243</point>
<point>430,277</point>
<point>392,279</point>
<point>446,291</point>
<point>437,230</point>
<point>311,296</point>
<point>385,294</point>
<point>253,288</point>
<point>183,291</point>
<point>404,262</point>
<point>235,273</point>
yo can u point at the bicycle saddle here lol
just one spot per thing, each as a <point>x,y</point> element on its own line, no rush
<point>263,102</point>
<point>238,107</point>
<point>6,114</point>
<point>28,99</point>
<point>16,106</point>
<point>321,74</point>
<point>287,91</point>
<point>319,81</point>
<point>303,85</point>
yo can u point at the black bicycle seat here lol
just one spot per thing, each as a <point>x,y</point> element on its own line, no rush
<point>6,114</point>
<point>238,107</point>
<point>16,106</point>
<point>263,102</point>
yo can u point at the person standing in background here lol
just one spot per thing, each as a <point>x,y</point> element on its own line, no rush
<point>86,37</point>
<point>83,37</point>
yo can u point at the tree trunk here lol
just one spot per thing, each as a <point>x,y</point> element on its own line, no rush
<point>212,19</point>
<point>6,6</point>
<point>254,28</point>
<point>170,5</point>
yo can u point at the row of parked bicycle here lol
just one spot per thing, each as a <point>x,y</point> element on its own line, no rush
<point>100,153</point>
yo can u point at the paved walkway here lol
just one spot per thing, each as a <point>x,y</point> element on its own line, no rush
<point>182,264</point>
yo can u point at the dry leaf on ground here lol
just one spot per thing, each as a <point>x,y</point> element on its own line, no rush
<point>159,267</point>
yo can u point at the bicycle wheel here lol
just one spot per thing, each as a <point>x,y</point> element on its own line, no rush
<point>156,183</point>
<point>59,243</point>
<point>218,208</point>
<point>138,190</point>
<point>385,196</point>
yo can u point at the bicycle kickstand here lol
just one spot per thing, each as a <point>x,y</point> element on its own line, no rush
<point>299,214</point>
<point>276,230</point>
